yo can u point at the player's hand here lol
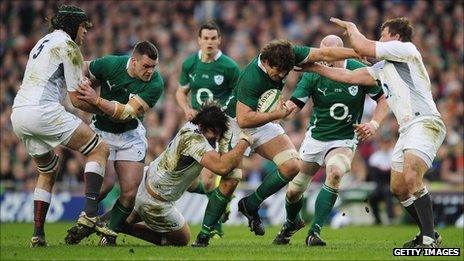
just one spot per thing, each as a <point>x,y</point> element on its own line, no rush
<point>190,114</point>
<point>247,137</point>
<point>291,106</point>
<point>343,24</point>
<point>86,92</point>
<point>365,130</point>
<point>281,110</point>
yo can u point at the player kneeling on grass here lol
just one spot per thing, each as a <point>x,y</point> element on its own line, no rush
<point>330,140</point>
<point>169,176</point>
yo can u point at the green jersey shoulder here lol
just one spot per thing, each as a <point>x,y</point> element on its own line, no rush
<point>118,85</point>
<point>209,81</point>
<point>254,81</point>
<point>337,106</point>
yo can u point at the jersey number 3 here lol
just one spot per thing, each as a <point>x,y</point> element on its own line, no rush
<point>39,50</point>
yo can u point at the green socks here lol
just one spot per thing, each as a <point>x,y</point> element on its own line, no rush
<point>200,189</point>
<point>217,204</point>
<point>293,210</point>
<point>324,203</point>
<point>119,214</point>
<point>272,183</point>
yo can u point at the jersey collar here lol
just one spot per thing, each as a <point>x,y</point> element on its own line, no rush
<point>216,57</point>
<point>127,64</point>
<point>260,64</point>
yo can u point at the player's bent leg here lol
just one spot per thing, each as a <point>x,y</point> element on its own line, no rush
<point>294,202</point>
<point>47,166</point>
<point>179,237</point>
<point>338,163</point>
<point>86,141</point>
<point>130,174</point>
<point>108,181</point>
<point>416,164</point>
<point>208,179</point>
<point>280,150</point>
<point>217,204</point>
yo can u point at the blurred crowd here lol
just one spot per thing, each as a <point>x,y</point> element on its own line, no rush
<point>246,27</point>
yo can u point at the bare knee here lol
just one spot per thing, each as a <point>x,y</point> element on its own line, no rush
<point>399,191</point>
<point>227,186</point>
<point>334,176</point>
<point>290,168</point>
<point>293,195</point>
<point>100,153</point>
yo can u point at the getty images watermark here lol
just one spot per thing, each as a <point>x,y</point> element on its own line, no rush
<point>426,251</point>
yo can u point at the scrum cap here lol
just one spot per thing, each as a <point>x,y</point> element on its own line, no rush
<point>68,19</point>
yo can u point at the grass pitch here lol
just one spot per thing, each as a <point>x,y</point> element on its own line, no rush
<point>346,243</point>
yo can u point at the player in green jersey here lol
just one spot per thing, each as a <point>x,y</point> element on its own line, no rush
<point>130,86</point>
<point>267,71</point>
<point>206,75</point>
<point>330,140</point>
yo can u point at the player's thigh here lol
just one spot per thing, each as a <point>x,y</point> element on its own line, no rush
<point>414,169</point>
<point>130,174</point>
<point>208,178</point>
<point>398,185</point>
<point>43,128</point>
<point>340,157</point>
<point>179,237</point>
<point>309,168</point>
<point>274,146</point>
<point>80,137</point>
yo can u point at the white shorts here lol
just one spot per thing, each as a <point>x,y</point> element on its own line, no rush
<point>42,128</point>
<point>130,145</point>
<point>313,150</point>
<point>265,133</point>
<point>160,216</point>
<point>423,138</point>
<point>230,140</point>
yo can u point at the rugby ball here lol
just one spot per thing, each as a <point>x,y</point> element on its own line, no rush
<point>268,100</point>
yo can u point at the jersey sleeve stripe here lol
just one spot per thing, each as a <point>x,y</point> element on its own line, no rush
<point>298,103</point>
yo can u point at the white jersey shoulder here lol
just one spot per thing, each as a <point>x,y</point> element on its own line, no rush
<point>174,170</point>
<point>405,81</point>
<point>54,67</point>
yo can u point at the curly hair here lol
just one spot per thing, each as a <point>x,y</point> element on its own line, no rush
<point>279,54</point>
<point>211,117</point>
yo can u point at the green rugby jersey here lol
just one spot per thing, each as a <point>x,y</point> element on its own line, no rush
<point>209,81</point>
<point>117,85</point>
<point>254,81</point>
<point>337,106</point>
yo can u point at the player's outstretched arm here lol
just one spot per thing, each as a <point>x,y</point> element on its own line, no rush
<point>225,163</point>
<point>248,118</point>
<point>330,54</point>
<point>359,76</point>
<point>359,42</point>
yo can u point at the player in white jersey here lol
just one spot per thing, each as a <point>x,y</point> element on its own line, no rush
<point>406,84</point>
<point>169,176</point>
<point>40,121</point>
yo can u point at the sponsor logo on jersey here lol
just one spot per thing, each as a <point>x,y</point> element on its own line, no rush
<point>353,90</point>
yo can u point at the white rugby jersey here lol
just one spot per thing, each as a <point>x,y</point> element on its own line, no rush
<point>54,67</point>
<point>404,80</point>
<point>174,170</point>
